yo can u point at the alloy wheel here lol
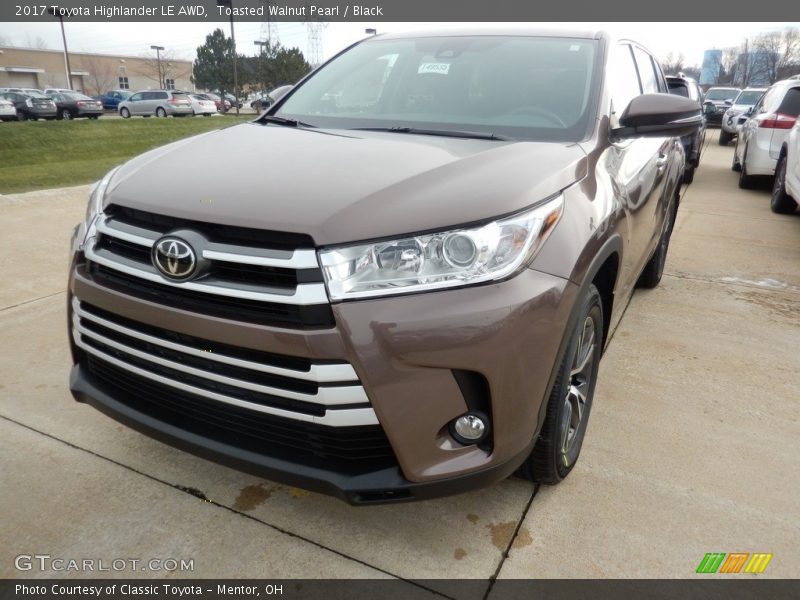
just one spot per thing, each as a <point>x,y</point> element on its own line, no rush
<point>580,379</point>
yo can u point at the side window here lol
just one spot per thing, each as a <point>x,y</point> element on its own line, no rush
<point>790,105</point>
<point>766,101</point>
<point>646,72</point>
<point>136,97</point>
<point>160,95</point>
<point>623,80</point>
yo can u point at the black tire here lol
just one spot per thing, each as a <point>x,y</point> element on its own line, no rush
<point>161,113</point>
<point>206,114</point>
<point>654,269</point>
<point>21,116</point>
<point>745,181</point>
<point>124,113</point>
<point>559,443</point>
<point>724,137</point>
<point>736,166</point>
<point>94,117</point>
<point>66,115</point>
<point>781,202</point>
<point>688,173</point>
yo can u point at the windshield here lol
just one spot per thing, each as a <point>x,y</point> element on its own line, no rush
<point>520,87</point>
<point>749,97</point>
<point>36,95</point>
<point>721,94</point>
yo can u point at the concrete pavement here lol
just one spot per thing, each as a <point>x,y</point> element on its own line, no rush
<point>691,447</point>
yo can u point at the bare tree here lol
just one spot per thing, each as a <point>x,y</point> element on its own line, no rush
<point>102,75</point>
<point>37,42</point>
<point>170,67</point>
<point>777,52</point>
<point>673,64</point>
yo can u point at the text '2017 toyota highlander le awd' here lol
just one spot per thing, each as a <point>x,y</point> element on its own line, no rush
<point>400,284</point>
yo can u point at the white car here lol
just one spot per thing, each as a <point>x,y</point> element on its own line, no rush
<point>762,135</point>
<point>730,120</point>
<point>786,189</point>
<point>202,106</point>
<point>8,112</point>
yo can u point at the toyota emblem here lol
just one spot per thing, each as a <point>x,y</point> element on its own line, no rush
<point>174,258</point>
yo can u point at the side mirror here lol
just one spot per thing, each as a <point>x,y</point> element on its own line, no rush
<point>659,115</point>
<point>279,93</point>
<point>749,111</point>
<point>709,108</point>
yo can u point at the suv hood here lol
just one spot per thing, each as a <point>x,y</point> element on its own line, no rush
<point>342,186</point>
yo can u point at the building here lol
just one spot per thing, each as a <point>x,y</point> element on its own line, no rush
<point>712,65</point>
<point>91,74</point>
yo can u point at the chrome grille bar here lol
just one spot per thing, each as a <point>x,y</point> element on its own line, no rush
<point>324,373</point>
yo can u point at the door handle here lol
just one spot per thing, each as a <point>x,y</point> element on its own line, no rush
<point>661,162</point>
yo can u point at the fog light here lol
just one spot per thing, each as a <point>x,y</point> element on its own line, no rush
<point>470,428</point>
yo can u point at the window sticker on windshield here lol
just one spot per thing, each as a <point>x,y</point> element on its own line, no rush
<point>441,68</point>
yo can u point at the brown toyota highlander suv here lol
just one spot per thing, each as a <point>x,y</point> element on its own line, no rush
<point>400,284</point>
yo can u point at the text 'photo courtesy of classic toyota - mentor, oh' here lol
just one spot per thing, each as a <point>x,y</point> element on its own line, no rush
<point>399,283</point>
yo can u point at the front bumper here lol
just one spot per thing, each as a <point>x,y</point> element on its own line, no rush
<point>410,354</point>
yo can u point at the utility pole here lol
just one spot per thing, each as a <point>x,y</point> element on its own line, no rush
<point>229,5</point>
<point>55,12</point>
<point>159,50</point>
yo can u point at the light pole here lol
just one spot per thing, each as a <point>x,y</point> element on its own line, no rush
<point>229,4</point>
<point>53,12</point>
<point>261,63</point>
<point>159,50</point>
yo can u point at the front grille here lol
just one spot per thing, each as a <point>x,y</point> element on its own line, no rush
<point>316,316</point>
<point>250,275</point>
<point>350,450</point>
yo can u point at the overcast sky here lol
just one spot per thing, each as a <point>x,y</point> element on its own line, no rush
<point>135,39</point>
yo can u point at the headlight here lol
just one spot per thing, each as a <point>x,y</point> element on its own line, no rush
<point>95,206</point>
<point>439,260</point>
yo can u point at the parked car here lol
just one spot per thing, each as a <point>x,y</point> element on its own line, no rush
<point>112,98</point>
<point>786,187</point>
<point>72,105</point>
<point>759,143</point>
<point>414,304</point>
<point>202,106</point>
<point>722,98</point>
<point>741,104</point>
<point>692,143</point>
<point>261,102</point>
<point>21,90</point>
<point>8,112</point>
<point>31,106</point>
<point>219,102</point>
<point>160,103</point>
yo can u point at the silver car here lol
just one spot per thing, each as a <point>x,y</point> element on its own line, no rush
<point>741,104</point>
<point>160,103</point>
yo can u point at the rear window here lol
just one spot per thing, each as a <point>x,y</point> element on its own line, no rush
<point>749,97</point>
<point>722,94</point>
<point>790,105</point>
<point>678,88</point>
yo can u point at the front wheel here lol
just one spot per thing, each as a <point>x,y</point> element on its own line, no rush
<point>556,451</point>
<point>745,181</point>
<point>688,174</point>
<point>125,113</point>
<point>654,269</point>
<point>724,137</point>
<point>781,202</point>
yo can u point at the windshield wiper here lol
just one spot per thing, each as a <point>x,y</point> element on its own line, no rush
<point>283,121</point>
<point>475,135</point>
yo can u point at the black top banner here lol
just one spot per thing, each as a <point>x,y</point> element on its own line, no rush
<point>394,10</point>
